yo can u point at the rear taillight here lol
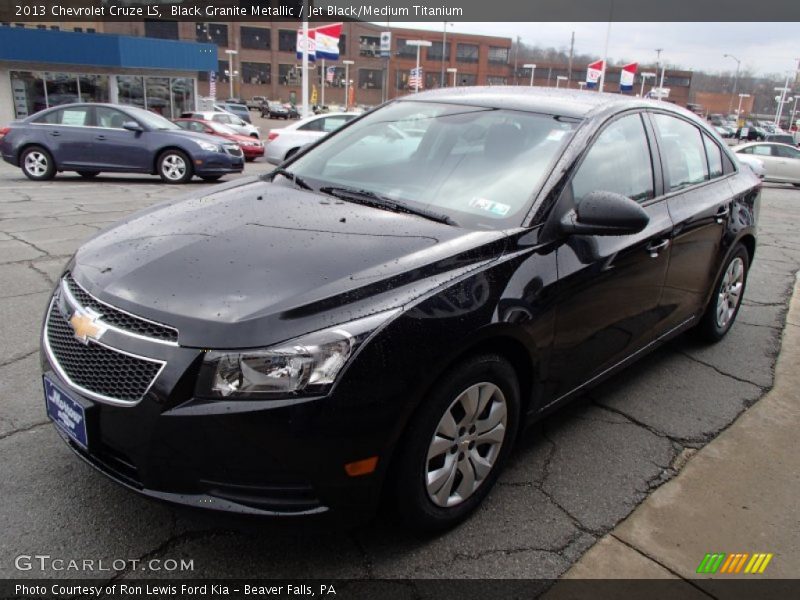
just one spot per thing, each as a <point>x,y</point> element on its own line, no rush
<point>272,136</point>
<point>4,131</point>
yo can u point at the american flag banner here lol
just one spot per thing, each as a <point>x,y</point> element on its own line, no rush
<point>330,73</point>
<point>415,79</point>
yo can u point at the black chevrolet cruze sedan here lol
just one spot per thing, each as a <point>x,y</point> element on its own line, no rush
<point>380,315</point>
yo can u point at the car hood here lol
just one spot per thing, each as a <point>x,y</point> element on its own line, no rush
<point>251,263</point>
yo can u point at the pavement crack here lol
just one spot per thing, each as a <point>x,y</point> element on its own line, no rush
<point>720,371</point>
<point>661,564</point>
<point>23,429</point>
<point>19,358</point>
<point>31,244</point>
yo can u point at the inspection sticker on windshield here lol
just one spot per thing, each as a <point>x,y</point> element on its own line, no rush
<point>496,208</point>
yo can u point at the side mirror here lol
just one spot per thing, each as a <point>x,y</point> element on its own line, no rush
<point>132,126</point>
<point>605,213</point>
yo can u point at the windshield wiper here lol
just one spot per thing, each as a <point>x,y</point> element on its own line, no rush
<point>289,175</point>
<point>375,200</point>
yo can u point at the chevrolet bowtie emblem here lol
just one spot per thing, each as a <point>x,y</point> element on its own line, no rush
<point>85,326</point>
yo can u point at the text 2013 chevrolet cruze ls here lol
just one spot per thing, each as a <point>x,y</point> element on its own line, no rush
<point>382,314</point>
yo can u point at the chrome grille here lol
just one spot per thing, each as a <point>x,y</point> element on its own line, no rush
<point>101,372</point>
<point>233,149</point>
<point>120,319</point>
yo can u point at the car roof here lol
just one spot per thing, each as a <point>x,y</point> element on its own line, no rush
<point>749,144</point>
<point>578,104</point>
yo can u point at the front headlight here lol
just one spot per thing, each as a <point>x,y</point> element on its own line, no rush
<point>208,146</point>
<point>307,365</point>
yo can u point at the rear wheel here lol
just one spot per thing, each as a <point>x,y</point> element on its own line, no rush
<point>457,444</point>
<point>174,167</point>
<point>37,164</point>
<point>727,297</point>
<point>797,185</point>
<point>88,174</point>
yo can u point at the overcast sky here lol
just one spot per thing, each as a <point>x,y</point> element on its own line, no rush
<point>762,47</point>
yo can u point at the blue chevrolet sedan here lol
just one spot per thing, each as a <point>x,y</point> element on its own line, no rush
<point>93,138</point>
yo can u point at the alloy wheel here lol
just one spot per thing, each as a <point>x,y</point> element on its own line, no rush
<point>730,292</point>
<point>36,163</point>
<point>466,444</point>
<point>173,167</point>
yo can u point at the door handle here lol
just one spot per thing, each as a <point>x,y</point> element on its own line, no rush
<point>55,133</point>
<point>654,248</point>
<point>100,137</point>
<point>722,213</point>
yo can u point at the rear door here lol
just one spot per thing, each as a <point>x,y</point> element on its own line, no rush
<point>787,163</point>
<point>610,286</point>
<point>699,198</point>
<point>68,134</point>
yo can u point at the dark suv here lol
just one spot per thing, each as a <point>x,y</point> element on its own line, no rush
<point>93,138</point>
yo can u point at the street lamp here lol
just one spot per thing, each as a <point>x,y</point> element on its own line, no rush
<point>559,79</point>
<point>233,73</point>
<point>418,44</point>
<point>645,76</point>
<point>532,67</point>
<point>735,78</point>
<point>781,100</point>
<point>454,71</point>
<point>347,64</point>
<point>739,108</point>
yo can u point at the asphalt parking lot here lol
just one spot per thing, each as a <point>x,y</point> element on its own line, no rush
<point>572,478</point>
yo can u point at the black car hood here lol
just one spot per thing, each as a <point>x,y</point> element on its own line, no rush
<point>252,264</point>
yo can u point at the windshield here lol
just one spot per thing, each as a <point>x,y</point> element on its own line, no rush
<point>151,120</point>
<point>479,166</point>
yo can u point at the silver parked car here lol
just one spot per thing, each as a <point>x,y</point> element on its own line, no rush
<point>781,161</point>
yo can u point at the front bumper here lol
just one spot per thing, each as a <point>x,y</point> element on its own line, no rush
<point>266,457</point>
<point>217,163</point>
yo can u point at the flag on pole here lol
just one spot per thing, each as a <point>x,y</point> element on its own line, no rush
<point>310,47</point>
<point>593,73</point>
<point>626,77</point>
<point>415,79</point>
<point>330,74</point>
<point>327,41</point>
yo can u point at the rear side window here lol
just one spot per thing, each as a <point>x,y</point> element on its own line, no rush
<point>52,117</point>
<point>75,116</point>
<point>683,152</point>
<point>785,152</point>
<point>714,157</point>
<point>618,161</point>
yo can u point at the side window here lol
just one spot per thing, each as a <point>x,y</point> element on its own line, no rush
<point>683,152</point>
<point>761,150</point>
<point>714,155</point>
<point>222,118</point>
<point>332,123</point>
<point>109,117</point>
<point>748,150</point>
<point>183,124</point>
<point>52,118</point>
<point>618,161</point>
<point>785,152</point>
<point>315,125</point>
<point>78,116</point>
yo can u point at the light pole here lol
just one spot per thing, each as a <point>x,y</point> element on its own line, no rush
<point>419,44</point>
<point>794,111</point>
<point>739,108</point>
<point>532,67</point>
<point>735,79</point>
<point>645,76</point>
<point>444,49</point>
<point>781,100</point>
<point>347,64</point>
<point>231,54</point>
<point>559,79</point>
<point>454,71</point>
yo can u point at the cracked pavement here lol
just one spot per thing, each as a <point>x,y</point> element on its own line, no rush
<point>572,478</point>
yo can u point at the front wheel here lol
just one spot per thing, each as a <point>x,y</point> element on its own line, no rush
<point>727,297</point>
<point>457,444</point>
<point>174,167</point>
<point>37,164</point>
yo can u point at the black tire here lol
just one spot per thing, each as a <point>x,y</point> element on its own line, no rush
<point>712,327</point>
<point>88,174</point>
<point>37,164</point>
<point>797,185</point>
<point>170,169</point>
<point>249,158</point>
<point>210,178</point>
<point>414,502</point>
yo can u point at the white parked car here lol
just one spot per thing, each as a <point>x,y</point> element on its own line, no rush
<point>283,143</point>
<point>225,118</point>
<point>781,161</point>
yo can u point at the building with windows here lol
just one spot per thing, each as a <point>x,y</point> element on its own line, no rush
<point>40,68</point>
